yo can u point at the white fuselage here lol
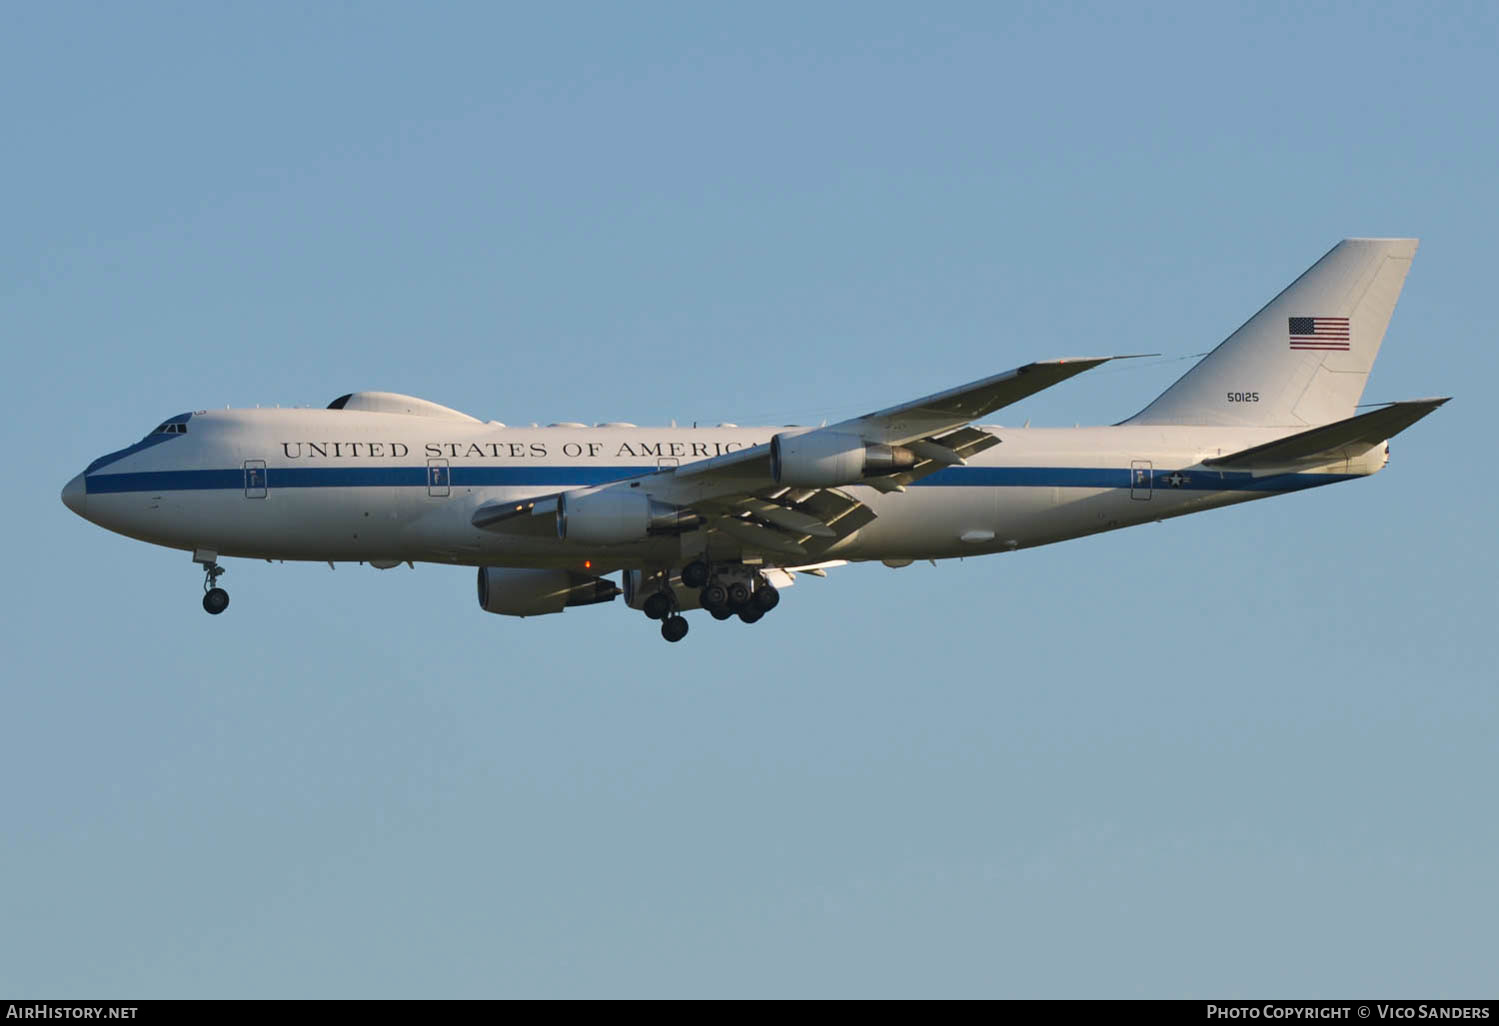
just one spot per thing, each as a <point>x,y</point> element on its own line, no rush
<point>348,485</point>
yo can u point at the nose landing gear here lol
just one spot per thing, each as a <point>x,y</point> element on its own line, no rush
<point>215,599</point>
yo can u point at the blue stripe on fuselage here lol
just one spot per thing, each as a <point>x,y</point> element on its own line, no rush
<point>582,477</point>
<point>360,477</point>
<point>1194,480</point>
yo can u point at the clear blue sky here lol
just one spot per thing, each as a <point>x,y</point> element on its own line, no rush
<point>1247,753</point>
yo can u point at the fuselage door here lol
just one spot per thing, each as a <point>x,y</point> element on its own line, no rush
<point>666,462</point>
<point>254,479</point>
<point>1140,475</point>
<point>439,479</point>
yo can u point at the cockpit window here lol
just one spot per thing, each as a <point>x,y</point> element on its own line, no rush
<point>170,428</point>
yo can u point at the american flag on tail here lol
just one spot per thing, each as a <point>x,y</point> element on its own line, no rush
<point>1320,333</point>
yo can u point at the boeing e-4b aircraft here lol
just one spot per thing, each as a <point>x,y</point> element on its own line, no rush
<point>721,518</point>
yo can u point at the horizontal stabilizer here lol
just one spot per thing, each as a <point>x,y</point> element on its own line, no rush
<point>1350,437</point>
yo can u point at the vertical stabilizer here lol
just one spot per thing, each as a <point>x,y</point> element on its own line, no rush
<point>1304,358</point>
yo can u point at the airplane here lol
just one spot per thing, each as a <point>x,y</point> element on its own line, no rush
<point>723,518</point>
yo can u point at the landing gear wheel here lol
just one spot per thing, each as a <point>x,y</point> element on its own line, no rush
<point>695,574</point>
<point>766,598</point>
<point>720,613</point>
<point>714,596</point>
<point>738,595</point>
<point>750,614</point>
<point>215,599</point>
<point>674,628</point>
<point>657,606</point>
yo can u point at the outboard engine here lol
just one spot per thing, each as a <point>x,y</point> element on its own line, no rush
<point>536,592</point>
<point>612,516</point>
<point>823,460</point>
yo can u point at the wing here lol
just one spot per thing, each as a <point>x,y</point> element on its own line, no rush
<point>739,497</point>
<point>922,419</point>
<point>944,411</point>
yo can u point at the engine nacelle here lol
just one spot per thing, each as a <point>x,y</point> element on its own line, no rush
<point>820,459</point>
<point>535,592</point>
<point>613,516</point>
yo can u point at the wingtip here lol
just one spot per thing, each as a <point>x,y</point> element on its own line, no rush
<point>1092,361</point>
<point>1105,359</point>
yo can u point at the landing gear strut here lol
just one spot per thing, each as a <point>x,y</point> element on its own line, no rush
<point>215,599</point>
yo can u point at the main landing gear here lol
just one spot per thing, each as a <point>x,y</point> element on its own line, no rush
<point>695,574</point>
<point>725,590</point>
<point>661,606</point>
<point>750,601</point>
<point>732,589</point>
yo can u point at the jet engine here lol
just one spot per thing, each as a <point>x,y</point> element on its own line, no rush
<point>534,592</point>
<point>821,459</point>
<point>616,517</point>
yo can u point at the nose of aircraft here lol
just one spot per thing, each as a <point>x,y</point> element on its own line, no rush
<point>74,493</point>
